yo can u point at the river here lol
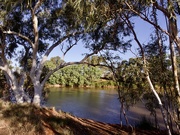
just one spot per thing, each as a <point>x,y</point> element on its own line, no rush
<point>96,104</point>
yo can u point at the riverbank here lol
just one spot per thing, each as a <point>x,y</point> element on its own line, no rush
<point>48,86</point>
<point>91,86</point>
<point>32,120</point>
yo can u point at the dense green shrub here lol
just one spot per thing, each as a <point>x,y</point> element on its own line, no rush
<point>76,75</point>
<point>145,124</point>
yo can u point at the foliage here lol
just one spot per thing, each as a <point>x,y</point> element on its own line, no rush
<point>131,80</point>
<point>76,75</point>
<point>158,62</point>
<point>145,124</point>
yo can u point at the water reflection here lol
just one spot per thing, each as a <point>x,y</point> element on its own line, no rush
<point>100,105</point>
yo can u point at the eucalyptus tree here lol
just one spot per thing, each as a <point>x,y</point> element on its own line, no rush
<point>147,73</point>
<point>31,30</point>
<point>161,77</point>
<point>130,81</point>
<point>170,9</point>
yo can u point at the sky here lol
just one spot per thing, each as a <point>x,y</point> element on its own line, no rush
<point>142,28</point>
<point>75,54</point>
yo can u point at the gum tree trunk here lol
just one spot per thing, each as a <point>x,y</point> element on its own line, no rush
<point>16,86</point>
<point>37,100</point>
<point>159,102</point>
<point>172,39</point>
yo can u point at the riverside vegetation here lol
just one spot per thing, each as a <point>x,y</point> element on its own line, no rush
<point>30,30</point>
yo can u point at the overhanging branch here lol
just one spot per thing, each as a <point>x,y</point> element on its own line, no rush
<point>19,35</point>
<point>145,18</point>
<point>61,40</point>
<point>65,64</point>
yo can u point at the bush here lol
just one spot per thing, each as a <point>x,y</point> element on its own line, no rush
<point>145,124</point>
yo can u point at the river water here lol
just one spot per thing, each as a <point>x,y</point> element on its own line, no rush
<point>96,104</point>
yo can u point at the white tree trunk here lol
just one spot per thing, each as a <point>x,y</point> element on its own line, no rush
<point>159,102</point>
<point>17,94</point>
<point>37,94</point>
<point>16,87</point>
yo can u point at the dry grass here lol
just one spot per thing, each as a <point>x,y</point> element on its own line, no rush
<point>27,119</point>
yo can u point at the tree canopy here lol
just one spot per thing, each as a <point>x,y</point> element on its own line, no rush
<point>30,30</point>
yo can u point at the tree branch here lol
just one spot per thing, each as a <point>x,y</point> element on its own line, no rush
<point>37,5</point>
<point>2,68</point>
<point>65,64</point>
<point>61,40</point>
<point>19,35</point>
<point>161,9</point>
<point>134,34</point>
<point>36,38</point>
<point>51,48</point>
<point>69,48</point>
<point>145,18</point>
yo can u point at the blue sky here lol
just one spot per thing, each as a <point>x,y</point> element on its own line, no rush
<point>142,28</point>
<point>76,53</point>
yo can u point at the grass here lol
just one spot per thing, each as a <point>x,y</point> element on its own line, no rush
<point>23,119</point>
<point>30,119</point>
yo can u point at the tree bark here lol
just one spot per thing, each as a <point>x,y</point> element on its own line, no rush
<point>37,99</point>
<point>174,39</point>
<point>160,103</point>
